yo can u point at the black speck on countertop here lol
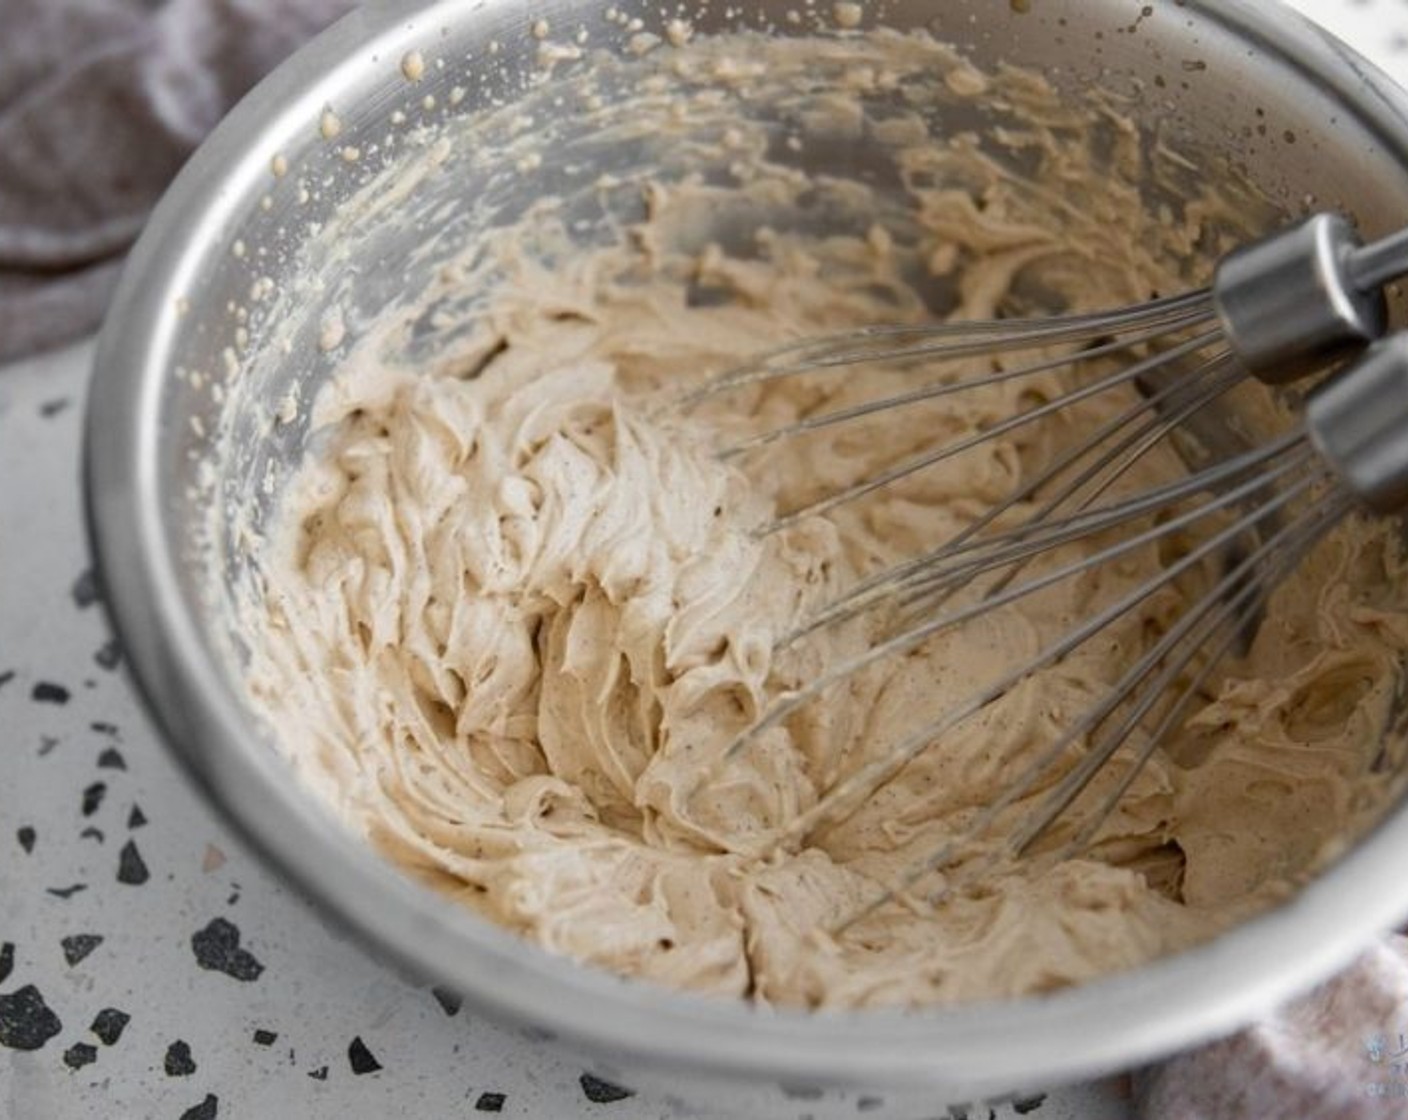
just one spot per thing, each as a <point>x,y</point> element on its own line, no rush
<point>179,1062</point>
<point>108,655</point>
<point>47,743</point>
<point>110,758</point>
<point>490,1102</point>
<point>47,692</point>
<point>26,836</point>
<point>104,728</point>
<point>93,797</point>
<point>136,818</point>
<point>78,945</point>
<point>131,868</point>
<point>265,1038</point>
<point>360,1058</point>
<point>208,1109</point>
<point>26,1021</point>
<point>91,833</point>
<point>109,1024</point>
<point>319,1074</point>
<point>7,960</point>
<point>448,1000</point>
<point>49,409</point>
<point>217,948</point>
<point>80,1054</point>
<point>66,892</point>
<point>85,590</point>
<point>602,1092</point>
<point>1023,1105</point>
<point>6,677</point>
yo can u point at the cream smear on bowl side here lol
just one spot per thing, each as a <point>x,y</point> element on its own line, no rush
<point>513,605</point>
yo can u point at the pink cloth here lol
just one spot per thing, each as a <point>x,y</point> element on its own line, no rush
<point>101,101</point>
<point>1338,1053</point>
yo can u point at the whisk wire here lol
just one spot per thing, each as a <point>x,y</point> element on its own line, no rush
<point>948,451</point>
<point>1141,692</point>
<point>1219,375</point>
<point>1096,479</point>
<point>1036,537</point>
<point>874,775</point>
<point>1240,609</point>
<point>959,564</point>
<point>1235,590</point>
<point>1132,446</point>
<point>956,340</point>
<point>938,390</point>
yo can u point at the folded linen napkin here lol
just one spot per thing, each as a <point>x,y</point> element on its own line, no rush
<point>100,103</point>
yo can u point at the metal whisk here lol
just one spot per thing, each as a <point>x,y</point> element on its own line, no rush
<point>1278,309</point>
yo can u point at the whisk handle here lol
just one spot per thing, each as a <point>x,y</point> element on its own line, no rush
<point>1358,421</point>
<point>1371,266</point>
<point>1300,299</point>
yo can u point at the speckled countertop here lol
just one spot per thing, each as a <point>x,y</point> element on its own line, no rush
<point>149,967</point>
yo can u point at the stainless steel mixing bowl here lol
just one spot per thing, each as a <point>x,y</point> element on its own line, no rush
<point>254,245</point>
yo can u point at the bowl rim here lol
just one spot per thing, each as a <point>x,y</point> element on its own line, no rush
<point>1105,1024</point>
